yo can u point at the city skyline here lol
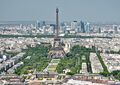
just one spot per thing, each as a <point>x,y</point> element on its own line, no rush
<point>69,51</point>
<point>92,11</point>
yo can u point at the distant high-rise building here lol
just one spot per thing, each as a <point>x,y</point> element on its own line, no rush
<point>64,26</point>
<point>74,26</point>
<point>82,26</point>
<point>43,23</point>
<point>38,24</point>
<point>53,25</point>
<point>21,26</point>
<point>99,30</point>
<point>115,28</point>
<point>87,27</point>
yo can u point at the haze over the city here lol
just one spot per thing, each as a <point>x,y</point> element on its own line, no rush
<point>59,42</point>
<point>88,10</point>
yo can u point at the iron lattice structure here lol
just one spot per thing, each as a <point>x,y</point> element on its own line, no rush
<point>57,50</point>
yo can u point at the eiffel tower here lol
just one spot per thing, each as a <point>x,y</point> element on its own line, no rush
<point>56,51</point>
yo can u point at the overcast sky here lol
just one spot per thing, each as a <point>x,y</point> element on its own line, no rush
<point>88,10</point>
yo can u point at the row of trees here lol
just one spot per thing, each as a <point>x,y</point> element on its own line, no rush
<point>73,60</point>
<point>116,74</point>
<point>105,70</point>
<point>106,73</point>
<point>38,59</point>
<point>51,36</point>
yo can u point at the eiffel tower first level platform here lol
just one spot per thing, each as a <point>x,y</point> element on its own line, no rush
<point>57,50</point>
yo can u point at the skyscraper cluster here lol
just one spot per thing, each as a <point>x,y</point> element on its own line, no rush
<point>65,27</point>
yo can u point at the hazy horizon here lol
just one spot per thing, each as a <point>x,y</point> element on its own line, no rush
<point>86,10</point>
